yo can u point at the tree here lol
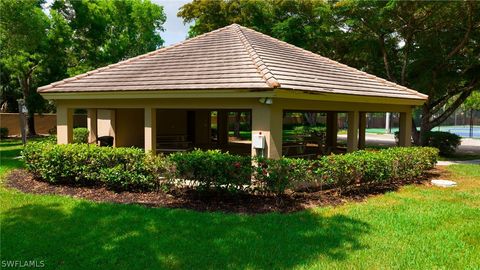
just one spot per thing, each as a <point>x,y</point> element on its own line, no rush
<point>302,23</point>
<point>22,41</point>
<point>472,103</point>
<point>76,36</point>
<point>428,46</point>
<point>106,32</point>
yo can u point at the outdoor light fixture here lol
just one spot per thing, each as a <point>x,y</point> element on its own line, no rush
<point>267,101</point>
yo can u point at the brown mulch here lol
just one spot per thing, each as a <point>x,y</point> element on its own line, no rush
<point>189,199</point>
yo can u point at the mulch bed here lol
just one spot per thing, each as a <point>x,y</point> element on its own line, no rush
<point>189,199</point>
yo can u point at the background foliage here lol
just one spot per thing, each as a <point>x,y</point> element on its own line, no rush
<point>40,44</point>
<point>429,46</point>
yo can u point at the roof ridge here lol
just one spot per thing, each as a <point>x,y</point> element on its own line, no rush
<point>386,82</point>
<point>261,67</point>
<point>88,73</point>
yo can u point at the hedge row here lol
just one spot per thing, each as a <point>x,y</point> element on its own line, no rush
<point>80,135</point>
<point>129,168</point>
<point>84,164</point>
<point>384,166</point>
<point>343,171</point>
<point>213,169</point>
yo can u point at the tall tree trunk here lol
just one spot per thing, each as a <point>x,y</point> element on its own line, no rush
<point>425,125</point>
<point>31,124</point>
<point>25,84</point>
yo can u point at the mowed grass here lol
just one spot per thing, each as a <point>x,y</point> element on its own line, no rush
<point>9,152</point>
<point>417,227</point>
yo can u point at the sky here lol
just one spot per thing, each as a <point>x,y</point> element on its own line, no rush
<point>175,30</point>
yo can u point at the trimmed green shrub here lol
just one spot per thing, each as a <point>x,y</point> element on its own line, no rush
<point>3,132</point>
<point>343,171</point>
<point>80,135</point>
<point>131,169</point>
<point>364,167</point>
<point>375,166</point>
<point>340,170</point>
<point>411,162</point>
<point>275,176</point>
<point>213,169</point>
<point>446,142</point>
<point>83,164</point>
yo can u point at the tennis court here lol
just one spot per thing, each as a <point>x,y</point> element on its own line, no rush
<point>462,131</point>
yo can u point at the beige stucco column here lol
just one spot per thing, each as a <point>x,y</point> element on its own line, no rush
<point>92,125</point>
<point>332,129</point>
<point>405,132</point>
<point>267,120</point>
<point>352,135</point>
<point>64,125</point>
<point>150,129</point>
<point>362,129</point>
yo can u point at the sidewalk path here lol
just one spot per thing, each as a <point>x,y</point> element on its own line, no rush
<point>451,162</point>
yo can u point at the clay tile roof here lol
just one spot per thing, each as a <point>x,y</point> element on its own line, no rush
<point>233,57</point>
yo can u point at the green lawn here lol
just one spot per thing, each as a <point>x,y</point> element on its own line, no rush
<point>461,156</point>
<point>414,228</point>
<point>9,151</point>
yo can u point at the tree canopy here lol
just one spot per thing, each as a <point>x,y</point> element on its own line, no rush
<point>40,45</point>
<point>472,102</point>
<point>110,31</point>
<point>23,42</point>
<point>432,47</point>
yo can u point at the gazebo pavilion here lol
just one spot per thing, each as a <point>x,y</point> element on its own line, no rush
<point>165,98</point>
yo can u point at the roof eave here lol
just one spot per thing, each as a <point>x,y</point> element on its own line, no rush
<point>140,94</point>
<point>316,95</point>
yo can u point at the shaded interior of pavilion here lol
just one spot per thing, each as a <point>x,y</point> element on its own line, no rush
<point>306,134</point>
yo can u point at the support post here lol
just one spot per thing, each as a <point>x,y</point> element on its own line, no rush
<point>267,120</point>
<point>405,132</point>
<point>113,126</point>
<point>150,130</point>
<point>352,135</point>
<point>388,128</point>
<point>64,125</point>
<point>92,125</point>
<point>362,130</point>
<point>332,130</point>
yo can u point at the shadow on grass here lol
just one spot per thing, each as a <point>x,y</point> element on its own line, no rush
<point>105,236</point>
<point>10,153</point>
